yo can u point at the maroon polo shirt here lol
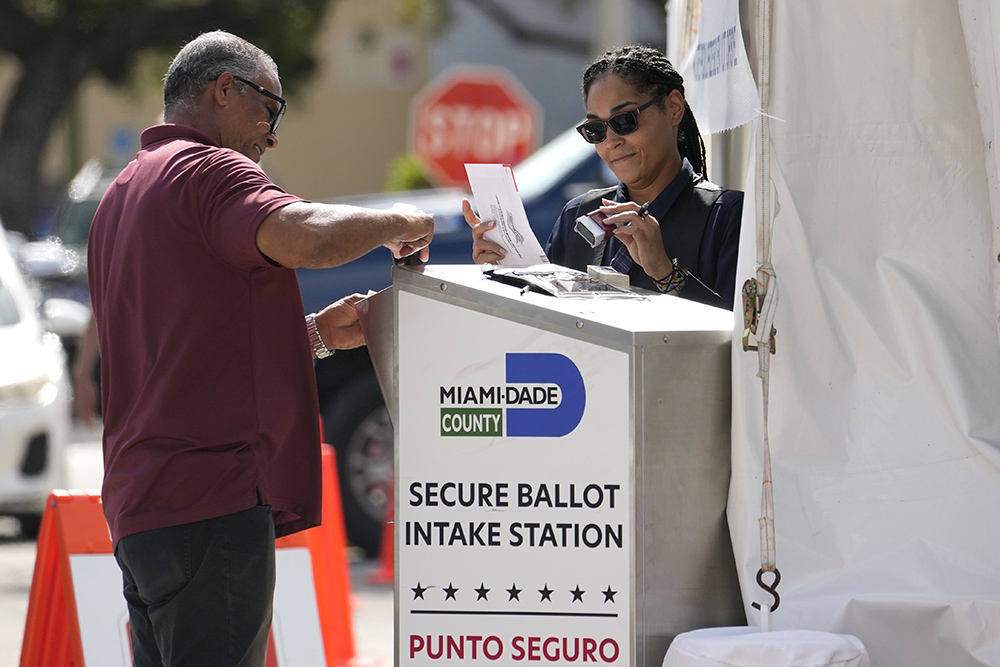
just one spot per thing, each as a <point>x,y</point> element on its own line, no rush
<point>208,389</point>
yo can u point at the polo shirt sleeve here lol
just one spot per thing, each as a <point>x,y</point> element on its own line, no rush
<point>237,195</point>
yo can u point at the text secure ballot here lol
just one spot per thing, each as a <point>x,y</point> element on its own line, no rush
<point>482,494</point>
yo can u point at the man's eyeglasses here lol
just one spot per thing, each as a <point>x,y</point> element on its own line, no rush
<point>626,122</point>
<point>276,118</point>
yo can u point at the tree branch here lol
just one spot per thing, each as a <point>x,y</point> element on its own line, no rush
<point>18,31</point>
<point>142,27</point>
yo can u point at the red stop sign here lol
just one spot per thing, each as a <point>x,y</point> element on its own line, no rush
<point>473,115</point>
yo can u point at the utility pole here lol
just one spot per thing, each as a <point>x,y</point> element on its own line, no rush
<point>612,25</point>
<point>670,43</point>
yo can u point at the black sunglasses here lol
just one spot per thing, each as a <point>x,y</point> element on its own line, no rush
<point>626,122</point>
<point>276,118</point>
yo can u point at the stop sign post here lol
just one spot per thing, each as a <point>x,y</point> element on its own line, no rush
<point>473,115</point>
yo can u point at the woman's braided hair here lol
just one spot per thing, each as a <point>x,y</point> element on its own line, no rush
<point>649,71</point>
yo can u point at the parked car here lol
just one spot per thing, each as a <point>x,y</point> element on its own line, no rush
<point>57,263</point>
<point>355,419</point>
<point>34,401</point>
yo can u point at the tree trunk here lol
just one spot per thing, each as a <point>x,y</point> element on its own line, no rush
<point>49,79</point>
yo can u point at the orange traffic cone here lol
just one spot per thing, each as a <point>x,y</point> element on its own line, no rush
<point>77,614</point>
<point>327,546</point>
<point>72,523</point>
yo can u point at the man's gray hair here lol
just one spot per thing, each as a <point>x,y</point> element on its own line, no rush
<point>205,59</point>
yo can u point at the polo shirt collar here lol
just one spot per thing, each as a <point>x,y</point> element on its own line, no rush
<point>168,131</point>
<point>663,201</point>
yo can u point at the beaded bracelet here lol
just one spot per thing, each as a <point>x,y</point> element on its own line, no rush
<point>671,282</point>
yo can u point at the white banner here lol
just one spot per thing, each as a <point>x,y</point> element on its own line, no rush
<point>718,82</point>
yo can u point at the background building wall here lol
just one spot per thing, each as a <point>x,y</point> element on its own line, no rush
<point>551,76</point>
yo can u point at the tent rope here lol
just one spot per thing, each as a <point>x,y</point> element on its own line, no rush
<point>760,300</point>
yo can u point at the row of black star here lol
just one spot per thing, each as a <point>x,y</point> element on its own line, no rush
<point>514,592</point>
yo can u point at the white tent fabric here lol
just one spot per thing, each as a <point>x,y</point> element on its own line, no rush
<point>981,22</point>
<point>884,414</point>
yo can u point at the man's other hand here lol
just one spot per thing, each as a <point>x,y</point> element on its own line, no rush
<point>339,326</point>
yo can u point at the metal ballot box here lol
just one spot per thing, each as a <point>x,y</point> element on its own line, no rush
<point>562,470</point>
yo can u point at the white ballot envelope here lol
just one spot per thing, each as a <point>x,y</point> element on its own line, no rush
<point>497,199</point>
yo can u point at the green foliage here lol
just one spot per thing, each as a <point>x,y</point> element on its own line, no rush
<point>45,11</point>
<point>110,34</point>
<point>437,14</point>
<point>59,43</point>
<point>406,173</point>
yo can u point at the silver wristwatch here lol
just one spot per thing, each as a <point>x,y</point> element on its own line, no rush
<point>320,350</point>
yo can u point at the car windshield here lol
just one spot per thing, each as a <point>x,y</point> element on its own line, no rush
<point>75,225</point>
<point>8,309</point>
<point>541,170</point>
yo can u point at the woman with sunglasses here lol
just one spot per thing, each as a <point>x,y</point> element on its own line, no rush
<point>673,230</point>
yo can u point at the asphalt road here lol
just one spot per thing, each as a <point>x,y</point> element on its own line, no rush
<point>372,604</point>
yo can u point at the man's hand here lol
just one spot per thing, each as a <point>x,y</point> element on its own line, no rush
<point>483,251</point>
<point>339,326</point>
<point>417,234</point>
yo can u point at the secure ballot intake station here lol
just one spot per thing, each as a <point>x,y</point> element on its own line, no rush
<point>562,466</point>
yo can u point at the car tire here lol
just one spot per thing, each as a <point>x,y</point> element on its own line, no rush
<point>30,525</point>
<point>357,425</point>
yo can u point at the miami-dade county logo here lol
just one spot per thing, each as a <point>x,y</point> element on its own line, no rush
<point>543,397</point>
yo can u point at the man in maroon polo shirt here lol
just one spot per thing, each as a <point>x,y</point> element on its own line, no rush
<point>211,425</point>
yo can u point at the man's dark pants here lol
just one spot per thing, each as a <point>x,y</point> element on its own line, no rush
<point>201,593</point>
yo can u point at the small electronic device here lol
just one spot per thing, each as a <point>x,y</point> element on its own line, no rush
<point>592,227</point>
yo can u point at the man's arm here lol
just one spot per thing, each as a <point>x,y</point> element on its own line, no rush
<point>314,235</point>
<point>85,399</point>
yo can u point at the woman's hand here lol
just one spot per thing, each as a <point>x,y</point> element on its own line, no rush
<point>483,251</point>
<point>641,235</point>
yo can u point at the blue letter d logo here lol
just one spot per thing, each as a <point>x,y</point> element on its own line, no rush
<point>538,367</point>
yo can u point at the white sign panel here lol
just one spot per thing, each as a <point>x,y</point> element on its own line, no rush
<point>514,526</point>
<point>100,609</point>
<point>103,616</point>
